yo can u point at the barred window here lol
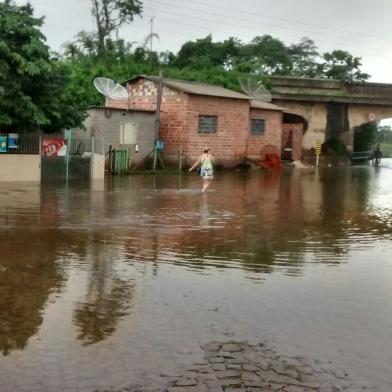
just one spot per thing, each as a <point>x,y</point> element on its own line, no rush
<point>208,124</point>
<point>257,126</point>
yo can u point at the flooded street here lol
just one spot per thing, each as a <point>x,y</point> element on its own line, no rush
<point>123,283</point>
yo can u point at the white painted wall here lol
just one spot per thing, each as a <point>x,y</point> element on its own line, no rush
<point>106,124</point>
<point>98,167</point>
<point>20,168</point>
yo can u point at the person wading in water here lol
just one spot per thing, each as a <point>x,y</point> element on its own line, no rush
<point>377,155</point>
<point>206,168</point>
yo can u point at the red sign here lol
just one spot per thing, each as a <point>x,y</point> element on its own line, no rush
<point>54,148</point>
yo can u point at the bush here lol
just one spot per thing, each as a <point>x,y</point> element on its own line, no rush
<point>336,147</point>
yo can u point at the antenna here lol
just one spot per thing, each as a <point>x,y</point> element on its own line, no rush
<point>150,38</point>
<point>110,89</point>
<point>151,32</point>
<point>254,89</point>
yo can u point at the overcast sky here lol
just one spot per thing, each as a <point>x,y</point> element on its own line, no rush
<point>363,27</point>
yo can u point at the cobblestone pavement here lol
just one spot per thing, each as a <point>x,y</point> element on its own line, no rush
<point>242,367</point>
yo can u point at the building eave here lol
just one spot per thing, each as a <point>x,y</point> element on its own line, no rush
<point>129,110</point>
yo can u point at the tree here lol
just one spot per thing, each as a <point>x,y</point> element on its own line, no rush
<point>267,55</point>
<point>85,43</point>
<point>304,57</point>
<point>110,15</point>
<point>341,65</point>
<point>365,136</point>
<point>33,92</point>
<point>204,53</point>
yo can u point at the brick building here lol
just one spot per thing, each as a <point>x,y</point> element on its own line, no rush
<point>195,116</point>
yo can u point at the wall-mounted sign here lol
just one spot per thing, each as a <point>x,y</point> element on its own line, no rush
<point>13,139</point>
<point>54,147</point>
<point>3,144</point>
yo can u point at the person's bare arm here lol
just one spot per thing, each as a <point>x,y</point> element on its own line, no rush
<point>196,163</point>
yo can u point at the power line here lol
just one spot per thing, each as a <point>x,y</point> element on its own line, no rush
<point>177,21</point>
<point>296,21</point>
<point>199,26</point>
<point>238,25</point>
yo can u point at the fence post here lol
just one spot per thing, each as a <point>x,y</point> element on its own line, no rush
<point>67,165</point>
<point>92,157</point>
<point>110,163</point>
<point>40,155</point>
<point>180,159</point>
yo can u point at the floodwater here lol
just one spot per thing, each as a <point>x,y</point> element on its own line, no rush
<point>111,284</point>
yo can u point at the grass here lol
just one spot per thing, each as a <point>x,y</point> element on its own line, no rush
<point>386,149</point>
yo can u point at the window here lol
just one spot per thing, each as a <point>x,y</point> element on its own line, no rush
<point>208,124</point>
<point>257,126</point>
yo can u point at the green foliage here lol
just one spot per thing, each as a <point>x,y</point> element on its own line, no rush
<point>203,53</point>
<point>365,136</point>
<point>341,65</point>
<point>304,58</point>
<point>335,146</point>
<point>266,55</point>
<point>201,60</point>
<point>33,93</point>
<point>386,149</point>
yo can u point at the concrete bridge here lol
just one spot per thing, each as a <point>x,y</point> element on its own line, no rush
<point>332,108</point>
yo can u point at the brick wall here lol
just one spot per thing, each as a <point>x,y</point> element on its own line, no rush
<point>143,95</point>
<point>270,141</point>
<point>228,144</point>
<point>180,122</point>
<point>297,137</point>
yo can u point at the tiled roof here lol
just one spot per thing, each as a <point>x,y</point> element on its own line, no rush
<point>195,88</point>
<point>255,104</point>
<point>122,109</point>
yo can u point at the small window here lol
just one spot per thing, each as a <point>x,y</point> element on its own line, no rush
<point>257,126</point>
<point>208,124</point>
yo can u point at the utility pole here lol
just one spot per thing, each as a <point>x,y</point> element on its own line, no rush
<point>158,119</point>
<point>151,39</point>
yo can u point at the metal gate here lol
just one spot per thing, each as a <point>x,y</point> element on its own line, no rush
<point>118,161</point>
<point>67,159</point>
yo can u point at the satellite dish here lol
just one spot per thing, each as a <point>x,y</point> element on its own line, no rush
<point>254,89</point>
<point>110,89</point>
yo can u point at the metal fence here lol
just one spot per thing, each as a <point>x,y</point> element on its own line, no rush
<point>68,159</point>
<point>19,143</point>
<point>61,157</point>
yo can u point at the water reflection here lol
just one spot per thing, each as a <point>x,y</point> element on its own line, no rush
<point>259,223</point>
<point>108,298</point>
<point>29,275</point>
<point>264,222</point>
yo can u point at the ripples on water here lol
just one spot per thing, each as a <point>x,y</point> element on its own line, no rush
<point>87,252</point>
<point>245,222</point>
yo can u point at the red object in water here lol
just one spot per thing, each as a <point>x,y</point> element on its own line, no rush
<point>271,161</point>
